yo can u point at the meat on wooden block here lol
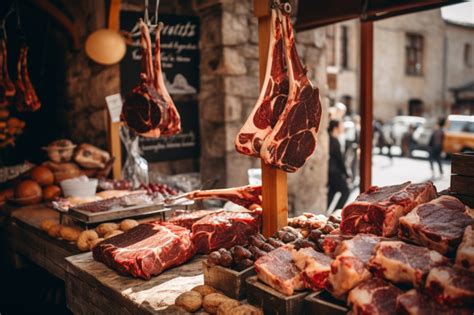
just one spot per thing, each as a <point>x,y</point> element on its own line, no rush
<point>374,296</point>
<point>277,270</point>
<point>188,218</point>
<point>403,263</point>
<point>224,230</point>
<point>315,267</point>
<point>293,138</point>
<point>451,286</point>
<point>415,302</point>
<point>465,253</point>
<point>146,250</point>
<point>438,224</point>
<point>272,99</point>
<point>377,210</point>
<point>349,267</point>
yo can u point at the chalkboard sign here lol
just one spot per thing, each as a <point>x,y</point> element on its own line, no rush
<point>180,66</point>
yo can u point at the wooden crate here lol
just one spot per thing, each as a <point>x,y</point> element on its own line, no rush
<point>463,164</point>
<point>272,301</point>
<point>229,281</point>
<point>322,303</point>
<point>462,185</point>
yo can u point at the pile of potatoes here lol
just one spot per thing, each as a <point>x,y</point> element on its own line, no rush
<point>204,299</point>
<point>88,239</point>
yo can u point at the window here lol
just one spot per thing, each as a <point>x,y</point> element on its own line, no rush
<point>414,54</point>
<point>331,44</point>
<point>468,55</point>
<point>345,47</point>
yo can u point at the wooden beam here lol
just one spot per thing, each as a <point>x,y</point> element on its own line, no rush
<point>274,181</point>
<point>366,102</point>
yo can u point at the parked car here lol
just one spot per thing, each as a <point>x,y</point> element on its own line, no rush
<point>459,134</point>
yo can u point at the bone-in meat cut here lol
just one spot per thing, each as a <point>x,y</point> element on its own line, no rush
<point>377,210</point>
<point>7,87</point>
<point>187,219</point>
<point>293,139</point>
<point>245,196</point>
<point>415,302</point>
<point>465,253</point>
<point>349,267</point>
<point>315,267</point>
<point>272,99</point>
<point>438,224</point>
<point>171,121</point>
<point>146,250</point>
<point>451,286</point>
<point>26,99</point>
<point>374,297</point>
<point>277,270</point>
<point>224,230</point>
<point>403,263</point>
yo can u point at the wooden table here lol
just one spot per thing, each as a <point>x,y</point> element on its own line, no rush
<point>25,237</point>
<point>93,288</point>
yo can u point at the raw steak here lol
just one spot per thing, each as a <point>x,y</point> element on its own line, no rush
<point>331,242</point>
<point>315,267</point>
<point>465,253</point>
<point>277,270</point>
<point>377,210</point>
<point>25,97</point>
<point>399,262</point>
<point>272,99</point>
<point>293,139</point>
<point>7,88</point>
<point>414,302</point>
<point>224,230</point>
<point>187,219</point>
<point>438,224</point>
<point>249,197</point>
<point>374,296</point>
<point>451,286</point>
<point>146,250</point>
<point>349,267</point>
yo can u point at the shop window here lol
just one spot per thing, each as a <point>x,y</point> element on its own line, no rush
<point>345,47</point>
<point>331,44</point>
<point>414,54</point>
<point>468,55</point>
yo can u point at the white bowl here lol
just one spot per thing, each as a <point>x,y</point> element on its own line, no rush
<point>76,188</point>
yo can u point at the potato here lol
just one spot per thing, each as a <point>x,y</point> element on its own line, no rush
<point>112,234</point>
<point>204,289</point>
<point>245,310</point>
<point>53,231</point>
<point>127,224</point>
<point>69,233</point>
<point>212,301</point>
<point>225,307</point>
<point>105,228</point>
<point>47,224</point>
<point>191,301</point>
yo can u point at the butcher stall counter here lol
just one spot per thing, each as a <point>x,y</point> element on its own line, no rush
<point>26,239</point>
<point>93,288</point>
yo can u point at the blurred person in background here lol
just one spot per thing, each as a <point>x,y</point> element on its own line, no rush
<point>337,180</point>
<point>436,146</point>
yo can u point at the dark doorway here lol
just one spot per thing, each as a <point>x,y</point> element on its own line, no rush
<point>415,107</point>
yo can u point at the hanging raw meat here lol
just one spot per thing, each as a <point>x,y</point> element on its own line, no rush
<point>171,125</point>
<point>272,99</point>
<point>7,88</point>
<point>26,99</point>
<point>293,139</point>
<point>144,108</point>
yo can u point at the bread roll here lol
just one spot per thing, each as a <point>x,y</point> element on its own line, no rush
<point>69,233</point>
<point>105,228</point>
<point>128,224</point>
<point>86,239</point>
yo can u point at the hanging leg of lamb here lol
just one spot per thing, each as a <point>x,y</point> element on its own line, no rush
<point>293,139</point>
<point>7,88</point>
<point>272,99</point>
<point>245,196</point>
<point>145,108</point>
<point>171,125</point>
<point>26,98</point>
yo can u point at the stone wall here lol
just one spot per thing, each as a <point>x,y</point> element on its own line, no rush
<point>229,90</point>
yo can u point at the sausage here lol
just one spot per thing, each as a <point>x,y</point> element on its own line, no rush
<point>327,228</point>
<point>266,247</point>
<point>315,235</point>
<point>214,258</point>
<point>257,252</point>
<point>244,264</point>
<point>226,258</point>
<point>288,237</point>
<point>303,243</point>
<point>256,241</point>
<point>241,253</point>
<point>274,242</point>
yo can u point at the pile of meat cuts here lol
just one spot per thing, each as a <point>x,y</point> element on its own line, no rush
<point>426,267</point>
<point>282,128</point>
<point>151,248</point>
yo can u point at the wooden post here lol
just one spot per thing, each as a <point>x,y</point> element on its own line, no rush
<point>274,181</point>
<point>366,102</point>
